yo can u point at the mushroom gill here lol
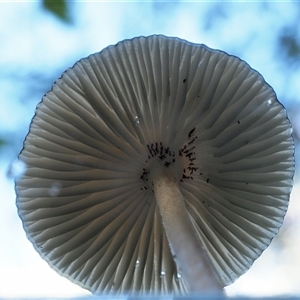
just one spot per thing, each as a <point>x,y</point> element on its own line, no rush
<point>122,123</point>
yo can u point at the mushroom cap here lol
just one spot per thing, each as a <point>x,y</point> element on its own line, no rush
<point>85,200</point>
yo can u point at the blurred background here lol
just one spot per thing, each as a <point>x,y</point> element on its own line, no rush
<point>40,39</point>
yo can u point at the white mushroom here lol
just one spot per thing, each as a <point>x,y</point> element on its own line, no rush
<point>156,166</point>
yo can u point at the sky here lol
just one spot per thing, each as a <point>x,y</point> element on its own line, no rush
<point>36,47</point>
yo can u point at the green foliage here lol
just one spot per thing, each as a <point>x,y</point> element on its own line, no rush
<point>59,8</point>
<point>291,46</point>
<point>2,142</point>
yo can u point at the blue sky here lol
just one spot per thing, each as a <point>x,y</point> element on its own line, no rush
<point>36,48</point>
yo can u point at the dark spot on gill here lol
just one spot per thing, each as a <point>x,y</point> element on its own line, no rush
<point>192,141</point>
<point>191,132</point>
<point>189,155</point>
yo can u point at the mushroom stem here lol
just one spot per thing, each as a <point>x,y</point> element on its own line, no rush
<point>189,253</point>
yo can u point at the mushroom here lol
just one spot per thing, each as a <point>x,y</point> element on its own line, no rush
<point>156,166</point>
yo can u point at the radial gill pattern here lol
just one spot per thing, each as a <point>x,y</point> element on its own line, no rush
<point>86,199</point>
